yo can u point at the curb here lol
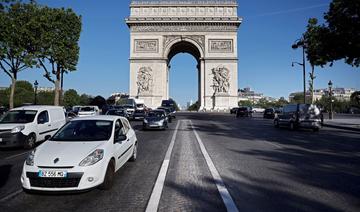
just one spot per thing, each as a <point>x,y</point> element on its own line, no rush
<point>342,127</point>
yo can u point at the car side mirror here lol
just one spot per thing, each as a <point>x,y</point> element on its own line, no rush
<point>120,138</point>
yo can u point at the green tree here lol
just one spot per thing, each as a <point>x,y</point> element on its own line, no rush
<point>194,107</point>
<point>24,93</point>
<point>57,46</point>
<point>98,101</point>
<point>281,102</point>
<point>355,99</point>
<point>16,41</point>
<point>245,103</point>
<point>45,97</point>
<point>85,99</point>
<point>71,98</point>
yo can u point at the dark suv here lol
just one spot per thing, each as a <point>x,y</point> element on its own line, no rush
<point>299,116</point>
<point>244,112</point>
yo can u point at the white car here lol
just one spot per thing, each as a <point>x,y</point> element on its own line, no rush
<point>84,154</point>
<point>24,126</point>
<point>88,111</point>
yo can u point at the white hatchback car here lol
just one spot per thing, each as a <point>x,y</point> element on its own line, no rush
<point>83,154</point>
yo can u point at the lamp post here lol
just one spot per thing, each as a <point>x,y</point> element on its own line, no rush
<point>300,43</point>
<point>35,95</point>
<point>330,84</point>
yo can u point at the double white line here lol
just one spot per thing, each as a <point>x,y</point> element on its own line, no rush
<point>154,201</point>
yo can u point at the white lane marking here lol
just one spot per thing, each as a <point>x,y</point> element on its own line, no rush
<point>14,156</point>
<point>154,200</point>
<point>11,195</point>
<point>224,193</point>
<point>275,145</point>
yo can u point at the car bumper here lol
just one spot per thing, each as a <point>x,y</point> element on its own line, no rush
<point>12,139</point>
<point>153,126</point>
<point>78,178</point>
<point>310,124</point>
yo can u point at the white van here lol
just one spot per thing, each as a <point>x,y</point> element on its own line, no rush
<point>24,126</point>
<point>88,111</point>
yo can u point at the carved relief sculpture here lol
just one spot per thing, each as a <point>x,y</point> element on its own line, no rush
<point>223,46</point>
<point>144,80</point>
<point>150,46</point>
<point>221,77</point>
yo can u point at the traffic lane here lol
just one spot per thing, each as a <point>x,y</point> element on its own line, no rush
<point>189,185</point>
<point>132,186</point>
<point>6,153</point>
<point>265,166</point>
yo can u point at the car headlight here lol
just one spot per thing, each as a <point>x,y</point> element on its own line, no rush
<point>93,158</point>
<point>145,121</point>
<point>17,129</point>
<point>161,121</point>
<point>30,159</point>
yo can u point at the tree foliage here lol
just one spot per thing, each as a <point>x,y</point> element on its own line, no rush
<point>98,101</point>
<point>71,98</point>
<point>338,38</point>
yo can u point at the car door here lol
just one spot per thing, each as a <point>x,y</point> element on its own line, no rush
<point>130,139</point>
<point>43,125</point>
<point>120,146</point>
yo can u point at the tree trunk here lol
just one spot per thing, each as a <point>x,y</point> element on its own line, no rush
<point>57,87</point>
<point>312,84</point>
<point>12,92</point>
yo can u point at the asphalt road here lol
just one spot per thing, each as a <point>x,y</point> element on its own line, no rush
<point>260,167</point>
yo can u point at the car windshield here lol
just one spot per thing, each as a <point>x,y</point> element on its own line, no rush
<point>157,114</point>
<point>243,109</point>
<point>269,110</point>
<point>309,110</point>
<point>87,109</point>
<point>85,130</point>
<point>19,116</point>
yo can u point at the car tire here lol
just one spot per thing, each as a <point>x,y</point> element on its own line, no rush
<point>30,141</point>
<point>134,154</point>
<point>109,176</point>
<point>276,124</point>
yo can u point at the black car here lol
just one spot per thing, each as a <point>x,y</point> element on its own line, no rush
<point>3,110</point>
<point>168,112</point>
<point>299,116</point>
<point>117,112</point>
<point>244,112</point>
<point>233,110</point>
<point>139,115</point>
<point>269,113</point>
<point>155,119</point>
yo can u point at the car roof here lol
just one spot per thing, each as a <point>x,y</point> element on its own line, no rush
<point>37,107</point>
<point>99,117</point>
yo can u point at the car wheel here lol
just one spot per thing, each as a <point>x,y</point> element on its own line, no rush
<point>109,176</point>
<point>276,123</point>
<point>134,154</point>
<point>30,141</point>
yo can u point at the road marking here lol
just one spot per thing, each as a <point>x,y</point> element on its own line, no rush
<point>11,195</point>
<point>14,156</point>
<point>224,193</point>
<point>275,145</point>
<point>154,200</point>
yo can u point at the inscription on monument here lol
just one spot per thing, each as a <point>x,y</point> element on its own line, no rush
<point>146,46</point>
<point>221,46</point>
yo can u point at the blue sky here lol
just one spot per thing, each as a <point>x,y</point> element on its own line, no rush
<point>264,43</point>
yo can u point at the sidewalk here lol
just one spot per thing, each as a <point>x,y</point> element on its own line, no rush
<point>346,124</point>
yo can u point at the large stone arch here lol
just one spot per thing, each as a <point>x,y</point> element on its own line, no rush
<point>161,29</point>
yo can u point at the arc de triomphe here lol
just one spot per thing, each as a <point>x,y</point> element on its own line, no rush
<point>206,29</point>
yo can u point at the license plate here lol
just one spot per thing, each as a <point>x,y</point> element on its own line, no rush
<point>153,125</point>
<point>57,174</point>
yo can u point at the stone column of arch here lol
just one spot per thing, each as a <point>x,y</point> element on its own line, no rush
<point>161,29</point>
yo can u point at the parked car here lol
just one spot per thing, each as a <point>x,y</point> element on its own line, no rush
<point>88,111</point>
<point>269,113</point>
<point>139,115</point>
<point>24,126</point>
<point>244,112</point>
<point>84,154</point>
<point>155,119</point>
<point>299,116</point>
<point>233,110</point>
<point>118,112</point>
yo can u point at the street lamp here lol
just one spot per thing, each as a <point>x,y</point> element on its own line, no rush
<point>35,86</point>
<point>300,43</point>
<point>330,84</point>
